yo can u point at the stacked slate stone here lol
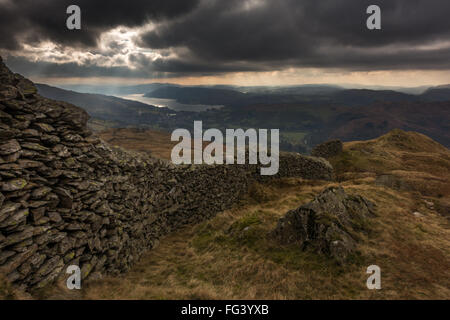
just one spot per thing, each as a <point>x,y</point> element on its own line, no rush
<point>297,165</point>
<point>67,198</point>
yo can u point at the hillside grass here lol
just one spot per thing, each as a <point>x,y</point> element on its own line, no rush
<point>155,143</point>
<point>233,256</point>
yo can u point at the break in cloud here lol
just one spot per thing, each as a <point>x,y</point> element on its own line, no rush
<point>189,38</point>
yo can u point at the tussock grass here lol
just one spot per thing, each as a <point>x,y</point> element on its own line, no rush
<point>156,143</point>
<point>232,256</point>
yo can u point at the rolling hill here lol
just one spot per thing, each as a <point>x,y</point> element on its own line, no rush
<point>231,256</point>
<point>117,111</point>
<point>241,96</point>
<point>345,114</point>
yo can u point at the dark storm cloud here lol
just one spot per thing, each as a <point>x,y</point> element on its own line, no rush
<point>142,68</point>
<point>46,69</point>
<point>325,33</point>
<point>32,21</point>
<point>197,37</point>
<point>180,66</point>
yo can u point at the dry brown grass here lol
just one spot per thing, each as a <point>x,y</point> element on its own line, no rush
<point>156,143</point>
<point>231,256</point>
<point>220,259</point>
<point>422,164</point>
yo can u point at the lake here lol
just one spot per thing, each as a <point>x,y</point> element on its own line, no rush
<point>169,103</point>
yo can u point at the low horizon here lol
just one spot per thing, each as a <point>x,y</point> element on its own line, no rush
<point>102,82</point>
<point>401,79</point>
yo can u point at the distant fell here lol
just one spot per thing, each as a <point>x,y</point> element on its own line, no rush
<point>401,160</point>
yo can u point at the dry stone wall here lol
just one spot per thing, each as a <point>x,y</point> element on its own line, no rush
<point>67,198</point>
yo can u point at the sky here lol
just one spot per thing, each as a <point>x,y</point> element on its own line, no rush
<point>240,42</point>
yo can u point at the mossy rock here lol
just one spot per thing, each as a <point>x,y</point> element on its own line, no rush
<point>331,224</point>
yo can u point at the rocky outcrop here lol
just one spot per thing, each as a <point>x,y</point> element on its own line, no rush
<point>330,224</point>
<point>67,198</point>
<point>328,149</point>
